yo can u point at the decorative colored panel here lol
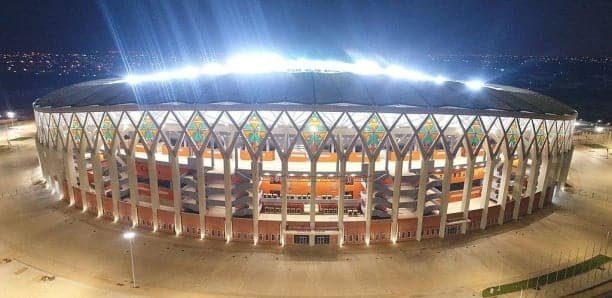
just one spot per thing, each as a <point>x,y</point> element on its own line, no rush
<point>148,130</point>
<point>76,130</point>
<point>314,133</point>
<point>197,130</point>
<point>512,136</point>
<point>107,130</point>
<point>475,135</point>
<point>373,133</point>
<point>428,133</point>
<point>254,132</point>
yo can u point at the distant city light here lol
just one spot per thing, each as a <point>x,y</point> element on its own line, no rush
<point>599,129</point>
<point>258,63</point>
<point>475,84</point>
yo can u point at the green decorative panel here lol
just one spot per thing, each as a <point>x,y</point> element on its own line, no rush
<point>475,135</point>
<point>428,133</point>
<point>254,132</point>
<point>314,133</point>
<point>512,136</point>
<point>148,130</point>
<point>76,130</point>
<point>373,133</point>
<point>198,131</point>
<point>107,130</point>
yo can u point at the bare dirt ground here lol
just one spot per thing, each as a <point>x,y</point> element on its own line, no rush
<point>82,256</point>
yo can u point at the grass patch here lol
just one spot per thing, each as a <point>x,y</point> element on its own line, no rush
<point>549,278</point>
<point>20,139</point>
<point>596,146</point>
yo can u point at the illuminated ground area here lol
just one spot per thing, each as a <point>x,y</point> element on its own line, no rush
<point>88,257</point>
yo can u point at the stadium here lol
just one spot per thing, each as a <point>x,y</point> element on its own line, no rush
<point>308,153</point>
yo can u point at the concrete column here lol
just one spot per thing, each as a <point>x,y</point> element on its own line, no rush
<point>369,200</point>
<point>503,188</point>
<point>255,202</point>
<point>69,165</point>
<point>467,191</point>
<point>566,167</point>
<point>176,190</point>
<point>84,182</point>
<point>341,191</point>
<point>284,174</point>
<point>421,194</point>
<point>534,172</point>
<point>517,191</point>
<point>485,194</point>
<point>98,180</point>
<point>201,188</point>
<point>153,187</point>
<point>313,194</point>
<point>114,180</point>
<point>446,182</point>
<point>227,180</point>
<point>397,187</point>
<point>545,178</point>
<point>133,182</point>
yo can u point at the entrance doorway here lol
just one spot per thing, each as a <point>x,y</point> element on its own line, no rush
<point>300,239</point>
<point>321,239</point>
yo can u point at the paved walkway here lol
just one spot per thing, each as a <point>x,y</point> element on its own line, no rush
<point>88,257</point>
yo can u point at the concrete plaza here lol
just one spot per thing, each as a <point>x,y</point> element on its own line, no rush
<point>87,257</point>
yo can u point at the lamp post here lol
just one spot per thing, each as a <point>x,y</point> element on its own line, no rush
<point>130,237</point>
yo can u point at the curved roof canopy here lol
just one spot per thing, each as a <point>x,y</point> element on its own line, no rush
<point>304,88</point>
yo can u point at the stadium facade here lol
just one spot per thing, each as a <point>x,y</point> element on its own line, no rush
<point>304,158</point>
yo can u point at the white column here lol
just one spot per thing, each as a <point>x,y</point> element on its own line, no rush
<point>369,199</point>
<point>503,188</point>
<point>176,190</point>
<point>313,195</point>
<point>255,195</point>
<point>133,182</point>
<point>397,187</point>
<point>446,182</point>
<point>153,186</point>
<point>84,181</point>
<point>114,180</point>
<point>485,194</point>
<point>284,173</point>
<point>201,187</point>
<point>566,167</point>
<point>534,172</point>
<point>421,194</point>
<point>98,179</point>
<point>69,165</point>
<point>341,191</point>
<point>545,178</point>
<point>227,180</point>
<point>467,191</point>
<point>519,180</point>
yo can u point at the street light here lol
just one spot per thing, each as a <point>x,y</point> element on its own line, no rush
<point>130,237</point>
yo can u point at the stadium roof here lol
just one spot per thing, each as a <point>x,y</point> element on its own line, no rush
<point>304,88</point>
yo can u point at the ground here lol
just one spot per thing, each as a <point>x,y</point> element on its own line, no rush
<point>84,256</point>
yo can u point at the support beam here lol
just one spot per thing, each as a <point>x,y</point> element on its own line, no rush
<point>467,191</point>
<point>421,194</point>
<point>113,172</point>
<point>517,190</point>
<point>153,187</point>
<point>545,178</point>
<point>502,198</point>
<point>284,174</point>
<point>98,180</point>
<point>133,181</point>
<point>446,182</point>
<point>255,195</point>
<point>201,188</point>
<point>176,190</point>
<point>397,187</point>
<point>313,195</point>
<point>565,168</point>
<point>369,200</point>
<point>83,180</point>
<point>534,172</point>
<point>227,181</point>
<point>70,177</point>
<point>485,194</point>
<point>341,191</point>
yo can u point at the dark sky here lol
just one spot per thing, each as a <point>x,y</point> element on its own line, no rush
<point>385,28</point>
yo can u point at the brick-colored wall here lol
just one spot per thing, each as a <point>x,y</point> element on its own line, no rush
<point>215,228</point>
<point>242,229</point>
<point>354,232</point>
<point>380,231</point>
<point>190,224</point>
<point>406,229</point>
<point>269,232</point>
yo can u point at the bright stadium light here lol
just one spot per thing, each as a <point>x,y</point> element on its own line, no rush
<point>474,84</point>
<point>10,115</point>
<point>260,63</point>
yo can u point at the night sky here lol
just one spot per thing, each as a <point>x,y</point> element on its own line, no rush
<point>389,29</point>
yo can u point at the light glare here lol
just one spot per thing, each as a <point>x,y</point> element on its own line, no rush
<point>129,235</point>
<point>475,84</point>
